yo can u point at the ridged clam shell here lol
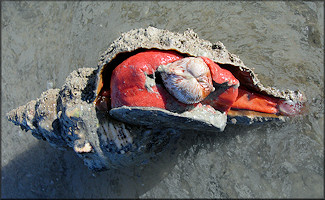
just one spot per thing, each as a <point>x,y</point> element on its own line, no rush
<point>188,79</point>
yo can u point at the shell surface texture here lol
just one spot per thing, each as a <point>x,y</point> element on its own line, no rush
<point>149,86</point>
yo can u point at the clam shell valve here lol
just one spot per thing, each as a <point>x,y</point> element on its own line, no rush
<point>151,85</point>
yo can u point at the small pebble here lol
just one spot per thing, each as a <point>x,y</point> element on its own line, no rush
<point>49,85</point>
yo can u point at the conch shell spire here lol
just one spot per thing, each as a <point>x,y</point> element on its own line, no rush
<point>40,117</point>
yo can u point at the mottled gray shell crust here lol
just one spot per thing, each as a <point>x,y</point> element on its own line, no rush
<point>189,43</point>
<point>197,119</point>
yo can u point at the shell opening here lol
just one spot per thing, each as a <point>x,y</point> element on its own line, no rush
<point>188,80</point>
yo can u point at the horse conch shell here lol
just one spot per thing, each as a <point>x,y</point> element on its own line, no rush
<point>150,86</point>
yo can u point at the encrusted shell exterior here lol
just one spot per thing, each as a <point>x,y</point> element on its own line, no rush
<point>67,118</point>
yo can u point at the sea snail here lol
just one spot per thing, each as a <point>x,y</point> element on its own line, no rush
<point>150,84</point>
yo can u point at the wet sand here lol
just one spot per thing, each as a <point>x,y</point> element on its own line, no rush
<point>42,42</point>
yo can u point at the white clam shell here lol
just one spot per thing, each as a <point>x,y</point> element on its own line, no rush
<point>188,79</point>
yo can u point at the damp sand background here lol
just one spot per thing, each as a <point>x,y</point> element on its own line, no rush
<point>42,42</point>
